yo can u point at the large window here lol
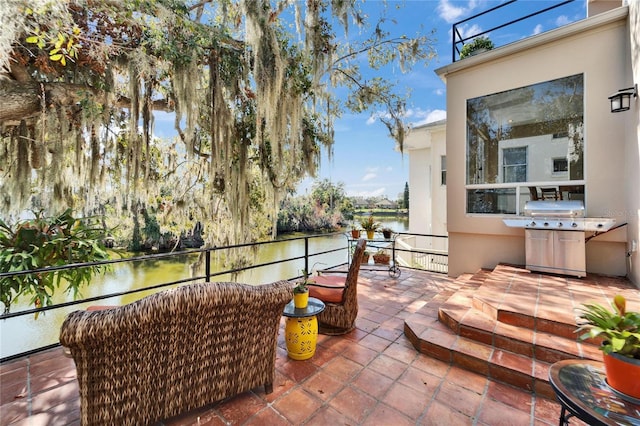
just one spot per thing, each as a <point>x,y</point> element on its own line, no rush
<point>530,136</point>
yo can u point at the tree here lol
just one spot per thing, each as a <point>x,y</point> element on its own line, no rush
<point>252,101</point>
<point>405,197</point>
<point>45,242</point>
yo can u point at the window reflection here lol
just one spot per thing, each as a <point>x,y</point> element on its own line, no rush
<point>529,134</point>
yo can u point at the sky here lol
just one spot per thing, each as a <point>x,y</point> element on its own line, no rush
<point>364,157</point>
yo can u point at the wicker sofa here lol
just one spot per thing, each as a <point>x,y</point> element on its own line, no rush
<point>174,351</point>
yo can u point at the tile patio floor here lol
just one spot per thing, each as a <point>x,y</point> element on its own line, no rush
<point>372,376</point>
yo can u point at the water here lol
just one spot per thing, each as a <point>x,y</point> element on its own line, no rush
<point>24,333</point>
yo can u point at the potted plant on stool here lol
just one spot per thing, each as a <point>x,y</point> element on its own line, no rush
<point>301,292</point>
<point>620,330</point>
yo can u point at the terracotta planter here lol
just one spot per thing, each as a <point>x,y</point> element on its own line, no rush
<point>382,259</point>
<point>365,258</point>
<point>301,300</point>
<point>355,233</point>
<point>623,374</point>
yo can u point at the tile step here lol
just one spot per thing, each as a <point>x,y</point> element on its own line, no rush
<point>487,327</point>
<point>500,365</point>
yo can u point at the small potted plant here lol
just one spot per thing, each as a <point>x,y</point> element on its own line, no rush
<point>370,226</point>
<point>619,331</point>
<point>365,256</point>
<point>355,232</point>
<point>380,257</point>
<point>386,233</point>
<point>301,292</point>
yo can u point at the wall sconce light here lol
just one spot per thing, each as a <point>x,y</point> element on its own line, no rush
<point>621,100</point>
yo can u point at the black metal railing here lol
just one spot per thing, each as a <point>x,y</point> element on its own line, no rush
<point>306,257</point>
<point>458,40</point>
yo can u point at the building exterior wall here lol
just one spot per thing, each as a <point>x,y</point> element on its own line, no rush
<point>597,47</point>
<point>427,195</point>
<point>632,152</point>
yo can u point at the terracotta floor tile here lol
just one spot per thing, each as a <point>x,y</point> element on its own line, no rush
<point>547,410</point>
<point>406,400</point>
<point>388,366</point>
<point>353,403</point>
<point>373,382</point>
<point>323,385</point>
<point>343,369</point>
<point>420,381</point>
<point>496,413</point>
<point>471,381</point>
<point>326,416</point>
<point>375,343</point>
<point>385,415</point>
<point>267,416</point>
<point>298,370</point>
<point>390,334</point>
<point>462,399</point>
<point>511,396</point>
<point>431,365</point>
<point>441,414</point>
<point>360,354</point>
<point>297,406</point>
<point>401,352</point>
<point>241,407</point>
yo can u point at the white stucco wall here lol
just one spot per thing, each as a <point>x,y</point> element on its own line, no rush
<point>597,47</point>
<point>632,152</point>
<point>427,196</point>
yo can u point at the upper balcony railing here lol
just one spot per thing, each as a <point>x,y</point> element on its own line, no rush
<point>461,29</point>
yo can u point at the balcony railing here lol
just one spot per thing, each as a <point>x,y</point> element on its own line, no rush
<point>411,253</point>
<point>459,38</point>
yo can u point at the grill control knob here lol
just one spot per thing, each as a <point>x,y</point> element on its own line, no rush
<point>546,224</point>
<point>559,224</point>
<point>575,225</point>
<point>599,225</point>
<point>532,224</point>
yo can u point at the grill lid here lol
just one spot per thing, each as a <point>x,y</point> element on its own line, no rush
<point>560,208</point>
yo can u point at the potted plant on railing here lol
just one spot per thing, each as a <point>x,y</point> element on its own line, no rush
<point>355,232</point>
<point>370,226</point>
<point>619,332</point>
<point>381,258</point>
<point>386,233</point>
<point>478,45</point>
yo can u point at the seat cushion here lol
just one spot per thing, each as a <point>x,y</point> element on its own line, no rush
<point>333,290</point>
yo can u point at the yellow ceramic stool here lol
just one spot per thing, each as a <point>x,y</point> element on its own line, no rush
<point>301,329</point>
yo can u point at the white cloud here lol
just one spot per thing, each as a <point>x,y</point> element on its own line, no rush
<point>377,192</point>
<point>537,30</point>
<point>469,31</point>
<point>439,92</point>
<point>562,20</point>
<point>449,12</point>
<point>431,116</point>
<point>369,176</point>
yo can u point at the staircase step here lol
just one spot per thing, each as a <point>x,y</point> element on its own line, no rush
<point>440,342</point>
<point>485,327</point>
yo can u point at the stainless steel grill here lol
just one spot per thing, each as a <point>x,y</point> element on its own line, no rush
<point>555,235</point>
<point>563,215</point>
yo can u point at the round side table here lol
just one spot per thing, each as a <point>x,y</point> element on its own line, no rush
<point>301,329</point>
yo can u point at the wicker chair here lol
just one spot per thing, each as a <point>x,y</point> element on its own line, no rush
<point>174,351</point>
<point>340,296</point>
